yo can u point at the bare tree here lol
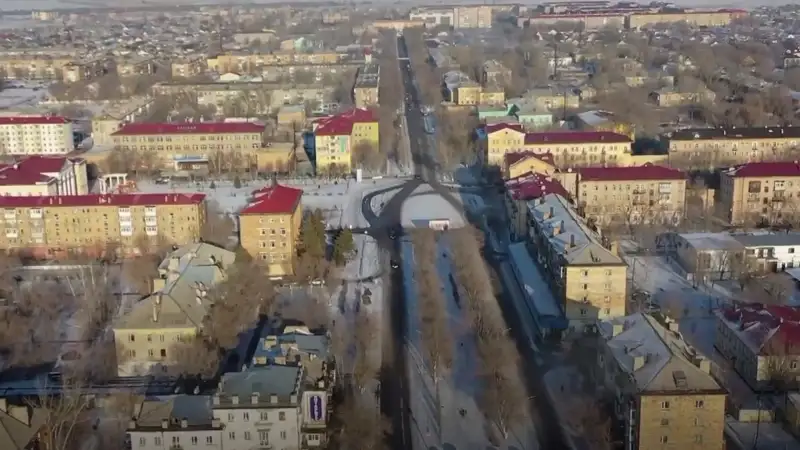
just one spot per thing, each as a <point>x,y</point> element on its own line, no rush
<point>218,227</point>
<point>504,400</point>
<point>367,156</point>
<point>587,418</point>
<point>366,364</point>
<point>360,426</point>
<point>194,357</point>
<point>67,416</point>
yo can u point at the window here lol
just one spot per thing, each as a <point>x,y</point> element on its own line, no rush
<point>664,405</point>
<point>793,365</point>
<point>232,435</point>
<point>281,415</point>
<point>664,422</point>
<point>283,435</point>
<point>194,440</point>
<point>791,249</point>
<point>264,416</point>
<point>246,416</point>
<point>142,441</point>
<point>697,421</point>
<point>246,435</point>
<point>149,338</point>
<point>132,338</point>
<point>664,439</point>
<point>176,439</point>
<point>584,311</point>
<point>209,440</point>
<point>263,436</point>
<point>163,353</point>
<point>230,417</point>
<point>698,438</point>
<point>150,352</point>
<point>699,404</point>
<point>157,440</point>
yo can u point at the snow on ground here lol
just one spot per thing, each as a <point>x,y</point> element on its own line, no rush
<point>563,389</point>
<point>425,204</point>
<point>366,262</point>
<point>22,95</point>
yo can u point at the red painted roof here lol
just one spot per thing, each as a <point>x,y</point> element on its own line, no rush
<point>491,128</point>
<point>342,123</point>
<point>31,170</point>
<point>139,128</point>
<point>276,199</point>
<point>101,200</point>
<point>645,172</point>
<point>766,169</point>
<point>575,137</point>
<point>533,185</point>
<point>33,120</point>
<point>513,158</point>
<point>770,328</point>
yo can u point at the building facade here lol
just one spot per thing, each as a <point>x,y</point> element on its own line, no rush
<point>589,279</point>
<point>247,63</point>
<point>336,136</point>
<point>178,421</point>
<point>759,192</point>
<point>269,227</point>
<point>54,226</point>
<point>662,391</point>
<point>36,135</point>
<point>44,175</point>
<point>365,89</point>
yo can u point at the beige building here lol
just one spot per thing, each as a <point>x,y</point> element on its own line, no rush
<point>173,313</point>
<point>478,16</point>
<point>84,70</point>
<point>56,226</point>
<point>37,66</point>
<point>668,97</point>
<point>248,63</point>
<point>759,192</point>
<point>704,148</point>
<point>761,343</point>
<point>663,394</point>
<point>36,135</point>
<point>44,175</point>
<point>365,89</point>
<point>184,421</point>
<point>115,115</point>
<point>269,227</point>
<point>188,67</point>
<point>262,98</point>
<point>631,195</point>
<point>138,65</point>
<point>589,279</point>
<point>698,18</point>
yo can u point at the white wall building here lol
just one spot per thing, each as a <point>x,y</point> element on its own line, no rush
<point>36,135</point>
<point>179,421</point>
<point>773,251</point>
<point>434,17</point>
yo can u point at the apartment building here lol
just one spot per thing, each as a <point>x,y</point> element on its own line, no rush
<point>336,136</point>
<point>669,97</point>
<point>36,135</point>
<point>705,148</point>
<point>54,226</point>
<point>33,66</point>
<point>365,89</point>
<point>117,114</point>
<point>139,65</point>
<point>44,175</point>
<point>266,96</point>
<point>172,142</point>
<point>759,192</point>
<point>493,72</point>
<point>269,407</point>
<point>433,17</point>
<point>552,99</point>
<point>188,66</point>
<point>177,421</point>
<point>269,227</point>
<point>588,279</point>
<point>719,18</point>
<point>760,342</point>
<point>174,312</point>
<point>397,25</point>
<point>249,63</point>
<point>467,93</point>
<point>569,149</point>
<point>703,257</point>
<point>74,72</point>
<point>518,164</point>
<point>473,16</point>
<point>632,195</point>
<point>662,391</point>
<point>521,190</point>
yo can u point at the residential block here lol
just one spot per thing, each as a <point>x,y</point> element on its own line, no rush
<point>36,135</point>
<point>760,192</point>
<point>336,136</point>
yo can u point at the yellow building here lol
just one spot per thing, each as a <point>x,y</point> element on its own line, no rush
<point>84,70</point>
<point>467,93</point>
<point>492,96</point>
<point>201,143</point>
<point>755,192</point>
<point>365,89</point>
<point>667,97</point>
<point>269,227</point>
<point>263,98</point>
<point>518,164</point>
<point>569,149</point>
<point>632,195</point>
<point>763,358</point>
<point>479,16</point>
<point>250,63</point>
<point>397,25</point>
<point>693,18</point>
<point>173,313</point>
<point>663,394</point>
<point>335,137</point>
<point>21,66</point>
<point>43,175</point>
<point>292,116</point>
<point>36,135</point>
<point>588,279</point>
<point>188,67</point>
<point>54,226</point>
<point>599,120</point>
<point>705,148</point>
<point>130,67</point>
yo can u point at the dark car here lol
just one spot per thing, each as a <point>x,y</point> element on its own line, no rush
<point>394,264</point>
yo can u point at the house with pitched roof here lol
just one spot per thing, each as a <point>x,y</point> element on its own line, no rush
<point>269,228</point>
<point>174,312</point>
<point>588,279</point>
<point>44,175</point>
<point>336,137</point>
<point>20,425</point>
<point>661,388</point>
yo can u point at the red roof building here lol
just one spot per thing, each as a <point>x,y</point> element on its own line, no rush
<point>122,200</point>
<point>765,170</point>
<point>575,137</point>
<point>531,186</point>
<point>33,120</point>
<point>491,128</point>
<point>645,172</point>
<point>342,123</point>
<point>275,199</point>
<point>138,129</point>
<point>513,158</point>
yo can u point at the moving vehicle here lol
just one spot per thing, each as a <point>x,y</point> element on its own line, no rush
<point>394,264</point>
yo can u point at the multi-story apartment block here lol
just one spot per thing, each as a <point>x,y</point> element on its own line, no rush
<point>174,142</point>
<point>128,67</point>
<point>588,279</point>
<point>290,73</point>
<point>473,16</point>
<point>117,114</point>
<point>493,72</point>
<point>724,147</point>
<point>249,63</point>
<point>84,70</point>
<point>433,16</point>
<point>178,421</point>
<point>669,97</point>
<point>269,407</point>
<point>269,227</point>
<point>632,195</point>
<point>569,149</point>
<point>761,342</point>
<point>174,312</point>
<point>44,175</point>
<point>53,226</point>
<point>188,67</point>
<point>36,135</point>
<point>718,18</point>
<point>37,66</point>
<point>266,96</point>
<point>365,89</point>
<point>759,192</point>
<point>336,136</point>
<point>662,391</point>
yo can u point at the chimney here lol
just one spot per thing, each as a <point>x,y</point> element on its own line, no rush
<point>639,362</point>
<point>184,423</point>
<point>155,312</point>
<point>132,424</point>
<point>617,329</point>
<point>215,400</point>
<point>216,423</point>
<point>615,248</point>
<point>273,398</point>
<point>572,240</point>
<point>704,364</point>
<point>550,214</point>
<point>165,423</point>
<point>557,228</point>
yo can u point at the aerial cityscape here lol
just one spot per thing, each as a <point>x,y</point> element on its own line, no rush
<point>559,226</point>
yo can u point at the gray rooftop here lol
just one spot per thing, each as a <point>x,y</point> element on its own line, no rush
<point>196,409</point>
<point>279,380</point>
<point>768,239</point>
<point>712,241</point>
<point>656,358</point>
<point>567,234</point>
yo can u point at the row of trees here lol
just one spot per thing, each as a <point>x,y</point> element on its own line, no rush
<point>390,94</point>
<point>504,398</point>
<point>427,75</point>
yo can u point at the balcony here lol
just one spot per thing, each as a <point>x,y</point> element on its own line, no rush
<point>10,215</point>
<point>12,233</point>
<point>36,213</point>
<point>124,212</point>
<point>150,211</point>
